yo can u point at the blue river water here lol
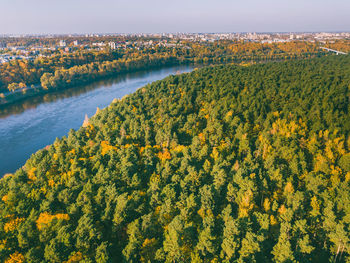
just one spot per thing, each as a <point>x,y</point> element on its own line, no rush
<point>30,125</point>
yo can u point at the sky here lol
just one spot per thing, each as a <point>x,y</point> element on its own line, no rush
<point>155,16</point>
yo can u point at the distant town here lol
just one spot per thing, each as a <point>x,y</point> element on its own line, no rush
<point>30,47</point>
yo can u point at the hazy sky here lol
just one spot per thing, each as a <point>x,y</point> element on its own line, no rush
<point>124,16</point>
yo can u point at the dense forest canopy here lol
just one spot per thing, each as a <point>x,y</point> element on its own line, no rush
<point>17,74</point>
<point>224,164</point>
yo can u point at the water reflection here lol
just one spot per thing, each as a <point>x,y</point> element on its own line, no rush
<point>33,102</point>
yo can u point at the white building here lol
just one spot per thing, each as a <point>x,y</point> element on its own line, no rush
<point>62,43</point>
<point>112,45</point>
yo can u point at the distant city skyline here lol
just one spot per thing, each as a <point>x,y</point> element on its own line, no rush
<point>155,16</point>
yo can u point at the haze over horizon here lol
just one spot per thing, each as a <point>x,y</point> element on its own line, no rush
<point>154,16</point>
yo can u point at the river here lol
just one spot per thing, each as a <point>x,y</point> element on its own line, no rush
<point>30,125</point>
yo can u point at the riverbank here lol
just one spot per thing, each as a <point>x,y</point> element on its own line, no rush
<point>32,102</point>
<point>81,75</point>
<point>39,90</point>
<point>31,125</point>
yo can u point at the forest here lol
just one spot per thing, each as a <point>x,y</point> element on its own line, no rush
<point>68,69</point>
<point>224,164</point>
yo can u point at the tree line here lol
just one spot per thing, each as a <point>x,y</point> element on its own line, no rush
<point>18,73</point>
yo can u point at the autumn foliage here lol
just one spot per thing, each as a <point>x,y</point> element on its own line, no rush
<point>223,164</point>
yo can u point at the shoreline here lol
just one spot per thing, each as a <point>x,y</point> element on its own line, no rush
<point>37,90</point>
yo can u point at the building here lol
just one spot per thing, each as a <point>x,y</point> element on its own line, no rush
<point>112,45</point>
<point>62,43</point>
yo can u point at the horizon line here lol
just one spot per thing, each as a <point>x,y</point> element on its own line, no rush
<point>179,32</point>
